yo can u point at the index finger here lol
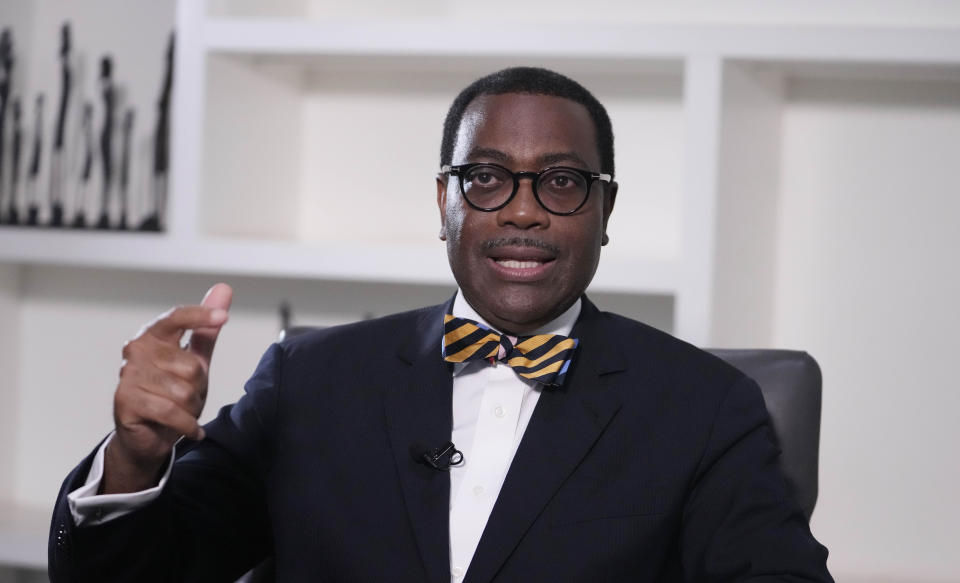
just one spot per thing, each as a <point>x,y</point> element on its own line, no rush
<point>173,324</point>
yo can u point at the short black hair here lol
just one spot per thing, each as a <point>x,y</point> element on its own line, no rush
<point>532,81</point>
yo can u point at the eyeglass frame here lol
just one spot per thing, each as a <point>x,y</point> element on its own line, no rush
<point>590,177</point>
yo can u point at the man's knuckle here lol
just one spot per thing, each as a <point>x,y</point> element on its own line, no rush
<point>166,408</point>
<point>184,393</point>
<point>145,405</point>
<point>129,373</point>
<point>136,349</point>
<point>165,358</point>
<point>196,370</point>
<point>119,402</point>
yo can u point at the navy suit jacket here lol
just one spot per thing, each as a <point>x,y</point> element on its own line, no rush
<point>655,462</point>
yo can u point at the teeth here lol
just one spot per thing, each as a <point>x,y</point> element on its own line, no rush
<point>514,264</point>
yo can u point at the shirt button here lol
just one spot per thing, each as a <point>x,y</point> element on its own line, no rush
<point>478,490</point>
<point>457,572</point>
<point>498,411</point>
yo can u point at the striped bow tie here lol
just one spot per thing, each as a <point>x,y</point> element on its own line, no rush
<point>544,358</point>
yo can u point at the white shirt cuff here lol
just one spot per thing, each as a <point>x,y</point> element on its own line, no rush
<point>90,509</point>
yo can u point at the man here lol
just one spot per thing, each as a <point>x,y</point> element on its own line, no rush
<point>617,454</point>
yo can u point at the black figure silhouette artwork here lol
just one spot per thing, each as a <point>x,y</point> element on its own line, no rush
<point>33,208</point>
<point>6,81</point>
<point>86,170</point>
<point>161,149</point>
<point>125,169</point>
<point>13,210</point>
<point>108,94</point>
<point>56,157</point>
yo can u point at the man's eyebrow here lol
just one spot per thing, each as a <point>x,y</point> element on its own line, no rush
<point>561,157</point>
<point>489,153</point>
<point>543,161</point>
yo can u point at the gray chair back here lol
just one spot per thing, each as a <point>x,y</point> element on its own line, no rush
<point>791,384</point>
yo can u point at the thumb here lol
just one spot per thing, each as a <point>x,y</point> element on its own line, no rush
<point>203,339</point>
<point>218,296</point>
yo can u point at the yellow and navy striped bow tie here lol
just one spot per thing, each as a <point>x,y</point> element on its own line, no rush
<point>544,358</point>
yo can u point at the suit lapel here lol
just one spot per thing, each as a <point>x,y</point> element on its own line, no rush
<point>564,426</point>
<point>419,411</point>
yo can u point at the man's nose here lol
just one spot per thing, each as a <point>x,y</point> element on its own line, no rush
<point>523,211</point>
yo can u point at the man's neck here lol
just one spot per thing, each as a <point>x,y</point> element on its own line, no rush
<point>562,324</point>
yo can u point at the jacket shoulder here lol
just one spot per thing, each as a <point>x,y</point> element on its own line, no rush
<point>671,358</point>
<point>376,334</point>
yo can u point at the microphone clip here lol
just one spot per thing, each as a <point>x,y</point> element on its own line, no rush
<point>441,458</point>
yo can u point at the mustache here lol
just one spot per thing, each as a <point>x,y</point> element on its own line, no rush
<point>519,242</point>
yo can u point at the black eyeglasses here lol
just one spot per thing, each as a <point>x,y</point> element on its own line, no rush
<point>490,187</point>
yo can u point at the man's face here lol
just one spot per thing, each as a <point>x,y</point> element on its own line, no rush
<point>521,266</point>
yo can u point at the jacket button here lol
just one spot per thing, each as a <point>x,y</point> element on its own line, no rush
<point>63,541</point>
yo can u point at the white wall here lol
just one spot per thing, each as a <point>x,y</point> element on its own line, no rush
<point>868,280</point>
<point>747,203</point>
<point>866,274</point>
<point>10,364</point>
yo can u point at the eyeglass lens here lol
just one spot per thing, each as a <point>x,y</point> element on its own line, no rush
<point>559,190</point>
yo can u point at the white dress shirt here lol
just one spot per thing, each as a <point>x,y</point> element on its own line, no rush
<point>492,406</point>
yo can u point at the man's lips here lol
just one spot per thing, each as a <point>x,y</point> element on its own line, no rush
<point>518,264</point>
<point>521,254</point>
<point>520,259</point>
<point>521,264</point>
<point>520,271</point>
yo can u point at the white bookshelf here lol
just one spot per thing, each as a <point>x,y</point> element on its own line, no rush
<point>247,93</point>
<point>267,131</point>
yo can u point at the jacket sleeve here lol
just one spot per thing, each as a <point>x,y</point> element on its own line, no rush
<point>210,521</point>
<point>740,522</point>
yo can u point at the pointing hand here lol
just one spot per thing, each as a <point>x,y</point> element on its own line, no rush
<point>162,390</point>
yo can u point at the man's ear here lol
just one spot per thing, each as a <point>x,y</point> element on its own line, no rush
<point>442,205</point>
<point>609,199</point>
